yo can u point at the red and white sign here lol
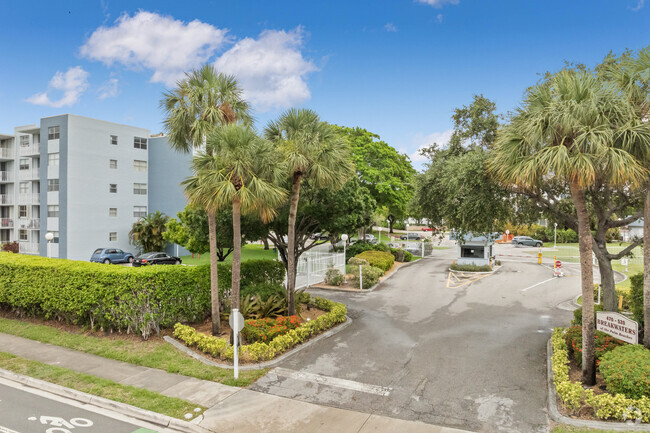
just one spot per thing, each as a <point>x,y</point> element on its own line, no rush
<point>558,269</point>
<point>618,326</point>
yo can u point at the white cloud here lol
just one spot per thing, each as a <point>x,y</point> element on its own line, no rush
<point>167,46</point>
<point>271,69</point>
<point>438,3</point>
<point>390,27</point>
<point>439,18</point>
<point>422,141</point>
<point>73,83</point>
<point>638,6</point>
<point>109,89</point>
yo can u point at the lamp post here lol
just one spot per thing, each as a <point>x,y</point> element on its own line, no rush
<point>48,237</point>
<point>344,238</point>
<point>407,233</point>
<point>555,236</point>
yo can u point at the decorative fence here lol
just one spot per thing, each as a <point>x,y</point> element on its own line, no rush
<point>313,264</point>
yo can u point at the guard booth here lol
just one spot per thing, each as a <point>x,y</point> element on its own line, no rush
<point>474,249</point>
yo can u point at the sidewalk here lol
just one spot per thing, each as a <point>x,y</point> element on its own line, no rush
<point>230,408</point>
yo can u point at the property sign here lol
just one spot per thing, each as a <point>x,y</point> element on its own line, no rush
<point>617,325</point>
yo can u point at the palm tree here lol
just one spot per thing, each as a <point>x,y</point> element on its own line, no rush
<point>312,150</point>
<point>201,101</point>
<point>147,232</point>
<point>240,170</point>
<point>565,131</point>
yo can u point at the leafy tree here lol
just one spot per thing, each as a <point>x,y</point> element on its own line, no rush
<point>312,150</point>
<point>386,173</point>
<point>147,233</point>
<point>564,132</point>
<point>203,100</point>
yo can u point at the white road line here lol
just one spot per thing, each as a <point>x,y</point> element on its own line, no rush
<point>535,285</point>
<point>6,430</point>
<point>333,381</point>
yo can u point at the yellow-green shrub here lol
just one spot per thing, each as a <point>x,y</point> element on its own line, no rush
<point>378,259</point>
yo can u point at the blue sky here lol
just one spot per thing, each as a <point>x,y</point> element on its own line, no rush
<point>397,68</point>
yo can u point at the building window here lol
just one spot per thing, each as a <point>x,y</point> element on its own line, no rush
<point>112,237</point>
<point>24,141</point>
<point>113,163</point>
<point>22,211</point>
<point>52,185</point>
<point>112,211</point>
<point>114,140</point>
<point>53,133</point>
<point>55,239</point>
<point>139,211</point>
<point>140,165</point>
<point>140,143</point>
<point>53,160</point>
<point>23,235</point>
<point>24,163</point>
<point>140,188</point>
<point>23,187</point>
<point>53,211</point>
<point>112,188</point>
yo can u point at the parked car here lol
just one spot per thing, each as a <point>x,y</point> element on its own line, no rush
<point>111,255</point>
<point>320,236</point>
<point>157,258</point>
<point>427,229</point>
<point>411,237</point>
<point>527,240</point>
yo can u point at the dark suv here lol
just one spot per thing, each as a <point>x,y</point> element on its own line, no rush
<point>111,255</point>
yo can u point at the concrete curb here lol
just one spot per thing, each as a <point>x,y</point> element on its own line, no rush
<point>122,408</point>
<point>493,271</point>
<point>266,364</point>
<point>558,417</point>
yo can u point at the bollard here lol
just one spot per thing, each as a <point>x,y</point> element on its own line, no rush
<point>539,257</point>
<point>360,278</point>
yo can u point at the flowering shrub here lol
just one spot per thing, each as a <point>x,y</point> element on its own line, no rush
<point>333,277</point>
<point>603,344</point>
<point>626,370</point>
<point>267,329</point>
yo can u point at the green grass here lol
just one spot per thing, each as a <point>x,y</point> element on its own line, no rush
<point>150,353</point>
<point>569,429</point>
<point>138,397</point>
<point>248,252</point>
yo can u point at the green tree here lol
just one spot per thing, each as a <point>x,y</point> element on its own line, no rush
<point>312,150</point>
<point>564,131</point>
<point>386,173</point>
<point>202,101</point>
<point>240,171</point>
<point>147,234</point>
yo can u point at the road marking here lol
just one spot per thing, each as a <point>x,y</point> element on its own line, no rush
<point>535,285</point>
<point>333,381</point>
<point>454,281</point>
<point>6,430</point>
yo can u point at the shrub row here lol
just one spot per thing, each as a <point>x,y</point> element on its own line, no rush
<point>267,329</point>
<point>574,397</point>
<point>603,343</point>
<point>378,259</point>
<point>260,351</point>
<point>470,268</point>
<point>626,370</point>
<point>117,298</point>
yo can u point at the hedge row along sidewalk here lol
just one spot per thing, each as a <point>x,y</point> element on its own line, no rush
<point>262,351</point>
<point>574,397</point>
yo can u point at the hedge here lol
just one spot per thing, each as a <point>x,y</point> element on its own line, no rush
<point>574,397</point>
<point>260,351</point>
<point>378,259</point>
<point>117,298</point>
<point>636,298</point>
<point>626,370</point>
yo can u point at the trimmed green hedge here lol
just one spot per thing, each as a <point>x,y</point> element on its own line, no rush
<point>378,259</point>
<point>119,298</point>
<point>626,370</point>
<point>470,268</point>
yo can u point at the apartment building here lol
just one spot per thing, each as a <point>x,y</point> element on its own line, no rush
<point>86,181</point>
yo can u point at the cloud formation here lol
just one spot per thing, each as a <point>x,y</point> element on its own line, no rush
<point>638,6</point>
<point>167,46</point>
<point>422,141</point>
<point>73,83</point>
<point>390,27</point>
<point>438,3</point>
<point>271,69</point>
<point>109,89</point>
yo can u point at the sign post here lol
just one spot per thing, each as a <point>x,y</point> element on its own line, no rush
<point>618,326</point>
<point>236,322</point>
<point>557,268</point>
<point>624,262</point>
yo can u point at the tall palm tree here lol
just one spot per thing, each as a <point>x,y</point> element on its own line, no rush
<point>564,131</point>
<point>312,150</point>
<point>147,232</point>
<point>242,171</point>
<point>201,101</point>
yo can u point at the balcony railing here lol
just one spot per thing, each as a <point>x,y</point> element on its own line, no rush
<point>6,199</point>
<point>5,176</point>
<point>6,223</point>
<point>29,223</point>
<point>6,153</point>
<point>29,173</point>
<point>29,198</point>
<point>32,149</point>
<point>28,247</point>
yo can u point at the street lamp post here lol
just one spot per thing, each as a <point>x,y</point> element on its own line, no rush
<point>555,236</point>
<point>48,237</point>
<point>344,238</point>
<point>407,233</point>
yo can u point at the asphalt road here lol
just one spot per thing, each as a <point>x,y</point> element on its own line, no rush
<point>426,346</point>
<point>26,412</point>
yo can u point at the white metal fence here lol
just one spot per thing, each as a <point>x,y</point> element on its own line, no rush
<point>313,265</point>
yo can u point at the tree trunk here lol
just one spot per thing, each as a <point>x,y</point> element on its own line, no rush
<point>214,275</point>
<point>291,244</point>
<point>266,243</point>
<point>646,258</point>
<point>608,286</point>
<point>391,221</point>
<point>236,253</point>
<point>587,274</point>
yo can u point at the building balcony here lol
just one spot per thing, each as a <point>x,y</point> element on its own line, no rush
<point>5,176</point>
<point>6,153</point>
<point>29,198</point>
<point>32,149</point>
<point>28,247</point>
<point>29,223</point>
<point>6,199</point>
<point>6,223</point>
<point>29,174</point>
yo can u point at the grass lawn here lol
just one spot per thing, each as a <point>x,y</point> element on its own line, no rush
<point>151,353</point>
<point>141,398</point>
<point>249,252</point>
<point>570,429</point>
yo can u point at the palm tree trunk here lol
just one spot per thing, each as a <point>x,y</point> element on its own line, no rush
<point>646,258</point>
<point>587,273</point>
<point>214,274</point>
<point>236,253</point>
<point>291,244</point>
